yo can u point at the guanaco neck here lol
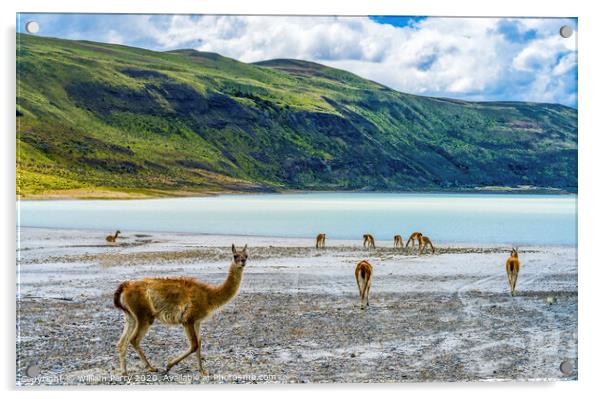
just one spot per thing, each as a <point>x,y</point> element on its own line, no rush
<point>116,234</point>
<point>224,292</point>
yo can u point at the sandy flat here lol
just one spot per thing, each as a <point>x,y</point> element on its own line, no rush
<point>441,317</point>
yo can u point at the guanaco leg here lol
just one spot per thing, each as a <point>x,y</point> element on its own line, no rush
<point>199,356</point>
<point>512,278</point>
<point>122,344</point>
<point>142,326</point>
<point>194,346</point>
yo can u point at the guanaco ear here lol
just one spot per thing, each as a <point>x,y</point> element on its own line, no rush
<point>245,250</point>
<point>233,249</point>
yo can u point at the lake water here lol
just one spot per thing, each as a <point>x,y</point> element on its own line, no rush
<point>452,218</point>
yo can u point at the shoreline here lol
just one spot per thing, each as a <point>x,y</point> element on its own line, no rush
<point>139,194</point>
<point>338,242</point>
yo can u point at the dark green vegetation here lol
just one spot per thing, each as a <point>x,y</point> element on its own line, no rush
<point>95,116</point>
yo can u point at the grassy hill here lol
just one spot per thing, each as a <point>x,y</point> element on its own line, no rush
<point>108,120</point>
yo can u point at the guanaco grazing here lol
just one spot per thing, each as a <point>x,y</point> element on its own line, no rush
<point>415,236</point>
<point>113,237</point>
<point>363,276</point>
<point>184,301</point>
<point>397,241</point>
<point>512,269</point>
<point>321,240</point>
<point>424,241</point>
<point>369,241</point>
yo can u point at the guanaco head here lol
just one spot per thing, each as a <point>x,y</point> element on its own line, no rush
<point>117,232</point>
<point>514,253</point>
<point>240,257</point>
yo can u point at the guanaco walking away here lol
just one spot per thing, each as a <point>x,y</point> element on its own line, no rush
<point>363,277</point>
<point>112,237</point>
<point>369,241</point>
<point>512,269</point>
<point>397,241</point>
<point>321,240</point>
<point>184,301</point>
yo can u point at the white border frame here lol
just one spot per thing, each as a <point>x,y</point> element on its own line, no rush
<point>590,32</point>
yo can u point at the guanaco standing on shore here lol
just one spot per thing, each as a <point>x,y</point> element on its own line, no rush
<point>363,277</point>
<point>397,241</point>
<point>512,269</point>
<point>369,241</point>
<point>112,237</point>
<point>184,301</point>
<point>423,243</point>
<point>321,240</point>
<point>415,236</point>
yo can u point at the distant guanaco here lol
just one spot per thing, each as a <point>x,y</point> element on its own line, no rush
<point>512,269</point>
<point>369,241</point>
<point>397,241</point>
<point>321,240</point>
<point>113,237</point>
<point>184,301</point>
<point>415,236</point>
<point>363,277</point>
<point>424,242</point>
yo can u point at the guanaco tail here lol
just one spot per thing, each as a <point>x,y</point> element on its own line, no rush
<point>184,301</point>
<point>512,269</point>
<point>363,277</point>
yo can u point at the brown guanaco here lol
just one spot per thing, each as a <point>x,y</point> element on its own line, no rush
<point>363,277</point>
<point>424,242</point>
<point>321,240</point>
<point>512,269</point>
<point>397,241</point>
<point>415,236</point>
<point>184,301</point>
<point>112,237</point>
<point>369,241</point>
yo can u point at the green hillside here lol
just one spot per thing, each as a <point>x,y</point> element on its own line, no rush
<point>100,118</point>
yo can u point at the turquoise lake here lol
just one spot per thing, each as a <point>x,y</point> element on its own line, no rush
<point>452,218</point>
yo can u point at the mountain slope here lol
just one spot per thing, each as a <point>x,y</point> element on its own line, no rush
<point>93,115</point>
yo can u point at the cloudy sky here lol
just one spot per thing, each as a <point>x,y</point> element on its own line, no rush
<point>469,58</point>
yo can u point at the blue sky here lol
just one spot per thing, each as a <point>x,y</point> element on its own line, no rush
<point>482,59</point>
<point>398,21</point>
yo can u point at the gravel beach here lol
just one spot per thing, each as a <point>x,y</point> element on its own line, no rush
<point>296,319</point>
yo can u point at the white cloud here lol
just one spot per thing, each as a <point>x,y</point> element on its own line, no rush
<point>471,58</point>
